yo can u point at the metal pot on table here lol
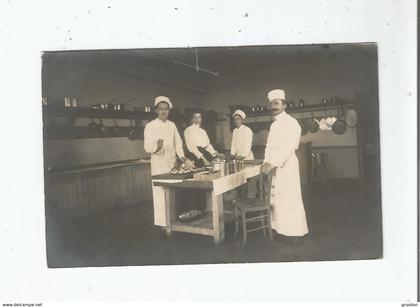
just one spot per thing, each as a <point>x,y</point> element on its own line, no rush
<point>219,165</point>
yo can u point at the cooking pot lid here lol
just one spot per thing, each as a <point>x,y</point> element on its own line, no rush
<point>313,125</point>
<point>327,122</point>
<point>351,118</point>
<point>339,127</point>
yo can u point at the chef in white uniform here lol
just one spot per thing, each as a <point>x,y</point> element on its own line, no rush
<point>163,142</point>
<point>288,217</point>
<point>199,148</point>
<point>242,138</point>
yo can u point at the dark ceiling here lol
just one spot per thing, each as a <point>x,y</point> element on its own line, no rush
<point>224,60</point>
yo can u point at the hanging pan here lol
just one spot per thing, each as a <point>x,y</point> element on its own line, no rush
<point>303,126</point>
<point>92,125</point>
<point>115,127</point>
<point>132,134</point>
<point>339,126</point>
<point>325,124</point>
<point>352,118</point>
<point>102,129</point>
<point>313,124</point>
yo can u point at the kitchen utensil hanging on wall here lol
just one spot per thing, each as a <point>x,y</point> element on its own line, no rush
<point>92,125</point>
<point>102,129</point>
<point>313,124</point>
<point>339,126</point>
<point>110,105</point>
<point>121,106</point>
<point>352,118</point>
<point>303,126</point>
<point>301,103</point>
<point>291,104</point>
<point>115,128</point>
<point>326,122</point>
<point>132,134</point>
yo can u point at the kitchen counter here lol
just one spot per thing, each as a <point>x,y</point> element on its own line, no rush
<point>67,170</point>
<point>80,191</point>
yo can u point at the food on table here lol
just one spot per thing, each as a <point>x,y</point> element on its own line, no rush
<point>182,169</point>
<point>186,168</point>
<point>188,215</point>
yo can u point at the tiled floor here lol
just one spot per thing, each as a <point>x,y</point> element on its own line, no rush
<point>344,221</point>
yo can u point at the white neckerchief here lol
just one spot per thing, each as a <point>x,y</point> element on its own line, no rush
<point>278,116</point>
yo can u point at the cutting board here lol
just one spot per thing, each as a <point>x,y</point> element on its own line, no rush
<point>171,176</point>
<point>178,176</point>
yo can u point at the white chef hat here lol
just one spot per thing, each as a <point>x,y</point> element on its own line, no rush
<point>240,113</point>
<point>276,94</point>
<point>163,99</point>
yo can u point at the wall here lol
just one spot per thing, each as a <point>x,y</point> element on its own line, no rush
<point>92,86</point>
<point>310,79</point>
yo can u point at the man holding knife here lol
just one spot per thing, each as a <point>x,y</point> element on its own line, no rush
<point>163,142</point>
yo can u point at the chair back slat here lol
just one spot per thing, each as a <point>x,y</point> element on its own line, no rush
<point>265,183</point>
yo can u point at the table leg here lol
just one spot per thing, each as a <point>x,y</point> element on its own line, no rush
<point>170,211</point>
<point>216,203</point>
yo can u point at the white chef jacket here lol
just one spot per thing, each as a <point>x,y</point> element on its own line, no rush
<point>162,161</point>
<point>288,216</point>
<point>242,142</point>
<point>197,137</point>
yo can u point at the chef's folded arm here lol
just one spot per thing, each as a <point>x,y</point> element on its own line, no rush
<point>285,141</point>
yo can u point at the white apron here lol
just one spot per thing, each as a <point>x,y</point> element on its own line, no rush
<point>288,216</point>
<point>160,165</point>
<point>161,162</point>
<point>242,142</point>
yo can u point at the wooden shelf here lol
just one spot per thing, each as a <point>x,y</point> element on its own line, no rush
<point>308,108</point>
<point>82,112</point>
<point>203,226</point>
<point>75,132</point>
<point>65,132</point>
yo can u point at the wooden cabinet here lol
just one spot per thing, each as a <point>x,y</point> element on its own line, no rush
<point>88,192</point>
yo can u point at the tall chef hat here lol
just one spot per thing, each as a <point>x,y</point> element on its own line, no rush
<point>160,99</point>
<point>276,94</point>
<point>240,113</point>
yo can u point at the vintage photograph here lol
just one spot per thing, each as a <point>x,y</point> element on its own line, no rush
<point>208,155</point>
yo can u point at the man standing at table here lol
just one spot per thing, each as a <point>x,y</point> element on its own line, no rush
<point>163,142</point>
<point>288,218</point>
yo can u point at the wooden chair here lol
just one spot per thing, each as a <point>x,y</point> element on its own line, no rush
<point>319,165</point>
<point>253,210</point>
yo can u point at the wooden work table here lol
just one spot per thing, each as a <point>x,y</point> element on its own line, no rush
<point>213,221</point>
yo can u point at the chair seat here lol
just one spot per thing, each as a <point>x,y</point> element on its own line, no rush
<point>250,204</point>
